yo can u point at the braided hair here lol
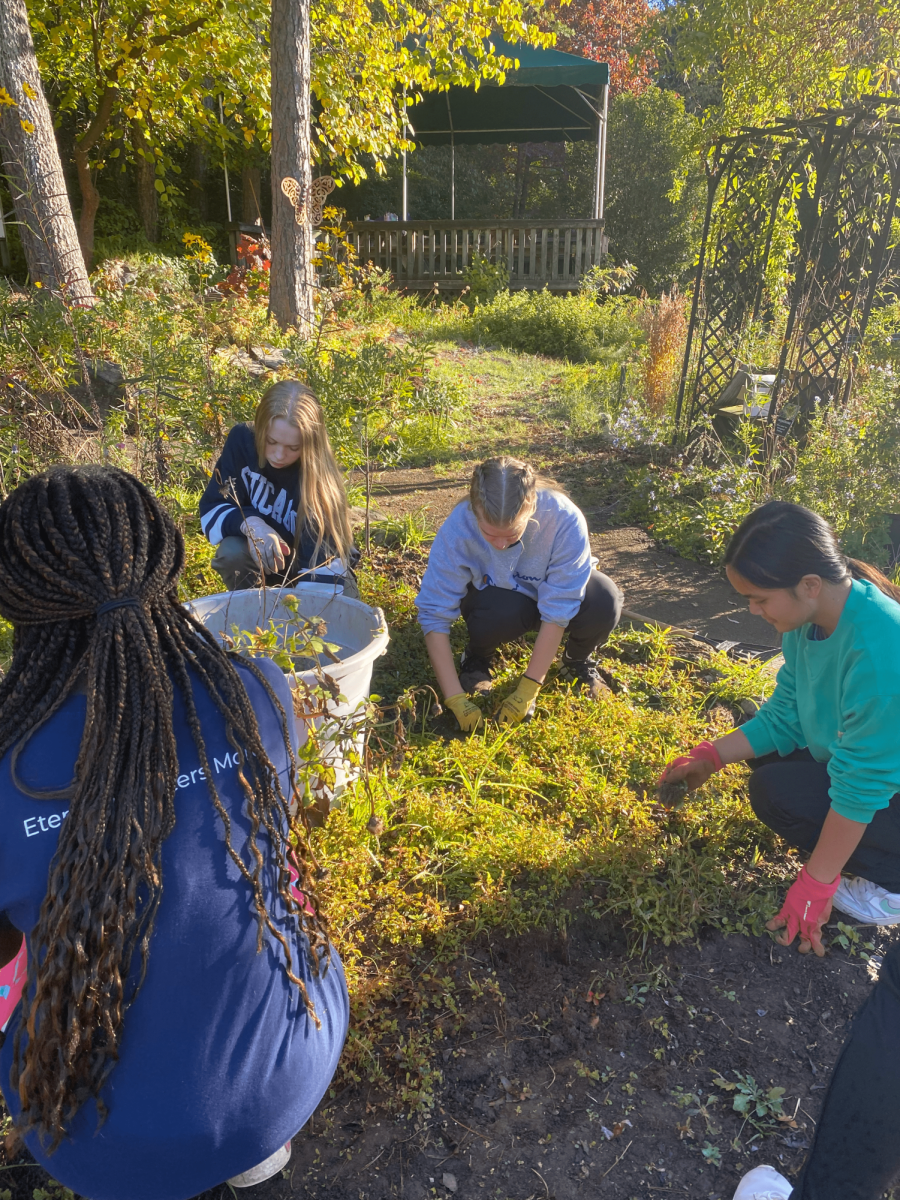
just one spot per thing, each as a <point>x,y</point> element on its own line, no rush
<point>89,564</point>
<point>503,490</point>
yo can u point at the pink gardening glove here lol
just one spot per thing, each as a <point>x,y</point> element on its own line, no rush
<point>705,756</point>
<point>806,908</point>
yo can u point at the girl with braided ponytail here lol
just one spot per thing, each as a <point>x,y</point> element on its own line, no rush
<point>183,1012</point>
<point>514,558</point>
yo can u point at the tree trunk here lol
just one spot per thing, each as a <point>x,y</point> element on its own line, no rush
<point>145,178</point>
<point>292,280</point>
<point>31,160</point>
<point>90,202</point>
<point>251,211</point>
<point>90,197</point>
<point>198,157</point>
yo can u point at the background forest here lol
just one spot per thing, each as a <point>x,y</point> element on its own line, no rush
<point>154,102</point>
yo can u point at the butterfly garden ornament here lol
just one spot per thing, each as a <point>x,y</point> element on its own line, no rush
<point>311,212</point>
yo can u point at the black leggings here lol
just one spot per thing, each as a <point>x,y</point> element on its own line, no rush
<point>496,615</point>
<point>855,1154</point>
<point>856,1151</point>
<point>790,795</point>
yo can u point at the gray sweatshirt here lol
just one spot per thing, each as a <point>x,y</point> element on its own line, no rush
<point>551,563</point>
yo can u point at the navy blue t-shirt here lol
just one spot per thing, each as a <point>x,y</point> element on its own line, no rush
<point>220,1063</point>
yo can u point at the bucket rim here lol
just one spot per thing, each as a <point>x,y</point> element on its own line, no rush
<point>376,647</point>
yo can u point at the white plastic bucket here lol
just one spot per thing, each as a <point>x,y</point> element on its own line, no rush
<point>358,629</point>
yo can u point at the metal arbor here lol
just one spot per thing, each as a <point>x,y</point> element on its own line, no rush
<point>802,209</point>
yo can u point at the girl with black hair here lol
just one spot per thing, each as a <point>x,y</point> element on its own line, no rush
<point>825,747</point>
<point>183,1012</point>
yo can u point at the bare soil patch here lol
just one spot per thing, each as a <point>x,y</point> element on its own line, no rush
<point>576,1070</point>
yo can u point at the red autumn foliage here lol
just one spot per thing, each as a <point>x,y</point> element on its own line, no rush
<point>254,260</point>
<point>609,31</point>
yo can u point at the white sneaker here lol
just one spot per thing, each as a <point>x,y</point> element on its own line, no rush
<point>763,1183</point>
<point>265,1170</point>
<point>867,902</point>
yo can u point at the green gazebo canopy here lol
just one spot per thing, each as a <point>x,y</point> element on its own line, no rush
<point>552,97</point>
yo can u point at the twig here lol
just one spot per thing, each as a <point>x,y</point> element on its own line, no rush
<point>375,1159</point>
<point>470,1129</point>
<point>543,1181</point>
<point>552,1081</point>
<point>452,1154</point>
<point>618,1160</point>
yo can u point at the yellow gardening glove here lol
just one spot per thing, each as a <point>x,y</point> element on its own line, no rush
<point>467,713</point>
<point>520,703</point>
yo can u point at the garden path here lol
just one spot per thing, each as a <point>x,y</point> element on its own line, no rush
<point>656,582</point>
<point>516,405</point>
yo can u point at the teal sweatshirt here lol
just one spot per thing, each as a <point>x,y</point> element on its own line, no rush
<point>840,698</point>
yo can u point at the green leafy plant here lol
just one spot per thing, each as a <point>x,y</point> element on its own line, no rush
<point>607,279</point>
<point>407,532</point>
<point>572,327</point>
<point>483,280</point>
<point>761,1106</point>
<point>847,937</point>
<point>712,1154</point>
<point>382,405</point>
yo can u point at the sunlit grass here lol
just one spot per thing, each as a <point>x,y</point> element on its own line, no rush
<point>533,828</point>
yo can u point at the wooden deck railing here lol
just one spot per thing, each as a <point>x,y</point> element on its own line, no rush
<point>422,254</point>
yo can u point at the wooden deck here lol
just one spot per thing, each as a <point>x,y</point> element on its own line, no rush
<point>426,255</point>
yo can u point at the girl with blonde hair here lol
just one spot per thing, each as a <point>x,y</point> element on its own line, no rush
<point>275,506</point>
<point>512,559</point>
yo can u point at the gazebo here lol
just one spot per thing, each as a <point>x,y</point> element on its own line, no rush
<point>551,97</point>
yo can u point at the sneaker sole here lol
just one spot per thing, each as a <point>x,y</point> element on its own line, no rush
<point>847,906</point>
<point>265,1170</point>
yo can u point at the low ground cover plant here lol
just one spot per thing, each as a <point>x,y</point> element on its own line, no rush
<point>844,468</point>
<point>573,327</point>
<point>534,827</point>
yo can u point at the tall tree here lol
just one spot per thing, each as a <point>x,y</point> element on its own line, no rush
<point>655,187</point>
<point>291,280</point>
<point>610,31</point>
<point>31,161</point>
<point>137,77</point>
<point>363,51</point>
<point>367,55</point>
<point>761,60</point>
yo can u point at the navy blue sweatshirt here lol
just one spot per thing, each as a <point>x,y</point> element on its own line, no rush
<point>272,493</point>
<point>220,1063</point>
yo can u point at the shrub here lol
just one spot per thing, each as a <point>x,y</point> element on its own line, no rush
<point>846,470</point>
<point>664,323</point>
<point>572,327</point>
<point>484,280</point>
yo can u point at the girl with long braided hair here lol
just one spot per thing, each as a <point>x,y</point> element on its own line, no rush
<point>183,1012</point>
